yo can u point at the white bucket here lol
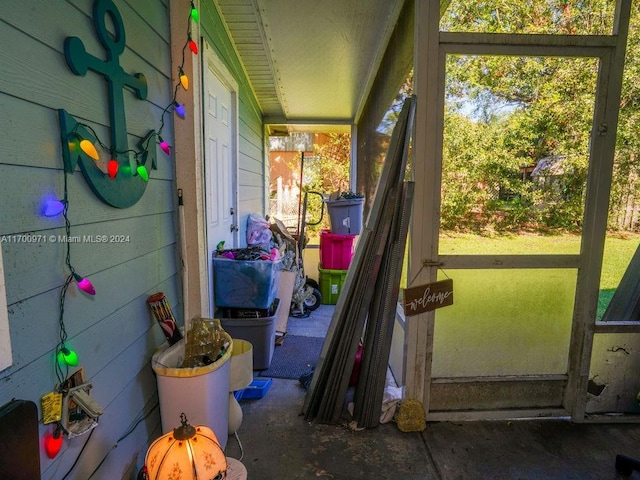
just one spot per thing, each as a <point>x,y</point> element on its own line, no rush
<point>201,393</point>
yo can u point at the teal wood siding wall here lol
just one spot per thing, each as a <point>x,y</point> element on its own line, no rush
<point>113,332</point>
<point>251,160</point>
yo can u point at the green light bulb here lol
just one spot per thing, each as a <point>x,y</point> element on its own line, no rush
<point>142,171</point>
<point>67,357</point>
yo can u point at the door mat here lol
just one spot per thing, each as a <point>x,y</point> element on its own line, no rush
<point>296,356</point>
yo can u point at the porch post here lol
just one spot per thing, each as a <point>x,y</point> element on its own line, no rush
<point>188,158</point>
<point>353,161</point>
<point>602,151</point>
<point>427,148</point>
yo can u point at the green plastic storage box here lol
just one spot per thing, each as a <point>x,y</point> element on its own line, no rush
<point>331,282</point>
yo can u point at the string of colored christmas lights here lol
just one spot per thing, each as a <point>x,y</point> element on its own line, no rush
<point>65,357</point>
<point>63,354</point>
<point>183,81</point>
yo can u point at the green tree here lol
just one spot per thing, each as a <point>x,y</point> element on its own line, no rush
<point>504,114</point>
<point>326,171</point>
<point>332,163</point>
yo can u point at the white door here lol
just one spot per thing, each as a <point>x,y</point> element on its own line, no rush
<point>523,348</point>
<point>220,159</point>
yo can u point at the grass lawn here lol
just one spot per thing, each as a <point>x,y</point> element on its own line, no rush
<point>513,321</point>
<point>618,252</point>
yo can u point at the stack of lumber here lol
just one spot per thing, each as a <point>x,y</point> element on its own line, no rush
<point>366,307</point>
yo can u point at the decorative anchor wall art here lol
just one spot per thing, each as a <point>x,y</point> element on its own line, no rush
<point>128,169</point>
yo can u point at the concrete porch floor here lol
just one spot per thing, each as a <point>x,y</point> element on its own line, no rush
<point>278,443</point>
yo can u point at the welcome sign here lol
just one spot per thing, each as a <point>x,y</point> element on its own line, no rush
<point>424,298</point>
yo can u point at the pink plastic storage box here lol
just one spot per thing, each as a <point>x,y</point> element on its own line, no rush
<point>336,251</point>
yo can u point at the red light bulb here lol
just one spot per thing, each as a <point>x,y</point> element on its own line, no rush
<point>112,168</point>
<point>193,46</point>
<point>53,442</point>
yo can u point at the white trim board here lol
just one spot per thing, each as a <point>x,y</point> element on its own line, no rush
<point>6,356</point>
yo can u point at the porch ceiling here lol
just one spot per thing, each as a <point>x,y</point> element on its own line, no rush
<point>309,61</point>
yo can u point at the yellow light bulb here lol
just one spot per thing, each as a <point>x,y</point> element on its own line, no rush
<point>88,148</point>
<point>184,81</point>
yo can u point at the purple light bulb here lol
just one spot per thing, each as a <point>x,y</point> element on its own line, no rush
<point>53,208</point>
<point>180,110</point>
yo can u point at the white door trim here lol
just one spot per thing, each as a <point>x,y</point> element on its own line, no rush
<point>211,60</point>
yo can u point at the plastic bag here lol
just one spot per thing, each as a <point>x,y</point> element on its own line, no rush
<point>258,230</point>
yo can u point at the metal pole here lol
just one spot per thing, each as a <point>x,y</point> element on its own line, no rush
<point>300,198</point>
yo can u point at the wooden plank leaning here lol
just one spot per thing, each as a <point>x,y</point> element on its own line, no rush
<point>330,380</point>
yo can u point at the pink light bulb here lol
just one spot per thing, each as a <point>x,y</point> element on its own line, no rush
<point>165,147</point>
<point>84,284</point>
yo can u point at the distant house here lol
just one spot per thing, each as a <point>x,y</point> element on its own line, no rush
<point>549,168</point>
<point>285,173</point>
<point>548,174</point>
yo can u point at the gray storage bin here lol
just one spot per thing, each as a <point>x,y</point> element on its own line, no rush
<point>346,215</point>
<point>260,332</point>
